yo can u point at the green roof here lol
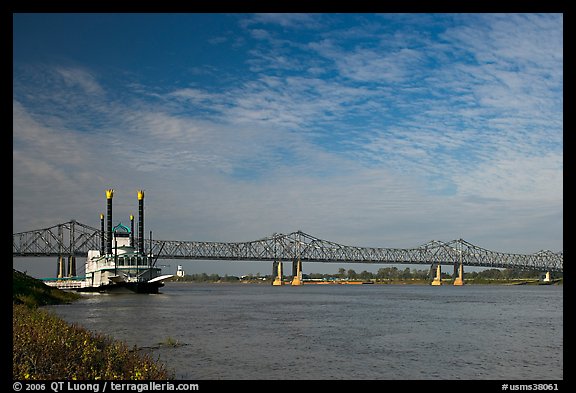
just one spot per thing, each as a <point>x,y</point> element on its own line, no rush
<point>124,228</point>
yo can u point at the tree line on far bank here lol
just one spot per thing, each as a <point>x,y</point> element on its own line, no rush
<point>385,273</point>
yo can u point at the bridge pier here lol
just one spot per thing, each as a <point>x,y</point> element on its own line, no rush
<point>438,279</point>
<point>297,275</point>
<point>459,279</point>
<point>277,270</point>
<point>71,266</point>
<point>60,269</point>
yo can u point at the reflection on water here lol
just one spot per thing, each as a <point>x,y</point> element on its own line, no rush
<point>235,331</point>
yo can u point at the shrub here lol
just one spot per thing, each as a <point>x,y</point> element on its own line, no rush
<point>46,347</point>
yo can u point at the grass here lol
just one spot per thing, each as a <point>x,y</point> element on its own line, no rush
<point>46,347</point>
<point>32,292</point>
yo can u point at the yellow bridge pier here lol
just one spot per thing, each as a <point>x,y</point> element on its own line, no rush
<point>278,271</point>
<point>438,279</point>
<point>459,280</point>
<point>71,266</point>
<point>60,267</point>
<point>297,279</point>
<point>62,271</point>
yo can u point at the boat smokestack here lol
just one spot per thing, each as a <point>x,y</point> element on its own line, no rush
<point>131,230</point>
<point>141,221</point>
<point>102,243</point>
<point>109,195</point>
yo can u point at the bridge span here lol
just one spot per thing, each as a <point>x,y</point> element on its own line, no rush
<point>75,239</point>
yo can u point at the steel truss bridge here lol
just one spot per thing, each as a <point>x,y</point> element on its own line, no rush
<point>75,239</point>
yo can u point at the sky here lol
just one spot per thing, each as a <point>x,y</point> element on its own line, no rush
<point>376,130</point>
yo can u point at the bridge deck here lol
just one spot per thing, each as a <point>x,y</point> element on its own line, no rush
<point>74,238</point>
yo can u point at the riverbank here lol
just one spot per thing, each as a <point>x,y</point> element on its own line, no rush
<point>46,347</point>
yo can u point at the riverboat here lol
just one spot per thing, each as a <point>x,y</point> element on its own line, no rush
<point>121,266</point>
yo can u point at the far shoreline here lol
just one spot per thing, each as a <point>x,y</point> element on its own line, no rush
<point>504,282</point>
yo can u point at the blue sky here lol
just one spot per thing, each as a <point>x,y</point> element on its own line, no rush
<point>365,129</point>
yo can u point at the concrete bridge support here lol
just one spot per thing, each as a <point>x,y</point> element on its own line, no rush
<point>71,266</point>
<point>459,279</point>
<point>297,275</point>
<point>60,273</point>
<point>277,266</point>
<point>438,279</point>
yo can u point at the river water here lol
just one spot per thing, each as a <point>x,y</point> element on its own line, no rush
<point>254,331</point>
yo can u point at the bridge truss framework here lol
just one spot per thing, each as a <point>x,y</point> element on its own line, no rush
<point>75,239</point>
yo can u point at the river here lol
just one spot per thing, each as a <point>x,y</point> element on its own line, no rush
<point>254,331</point>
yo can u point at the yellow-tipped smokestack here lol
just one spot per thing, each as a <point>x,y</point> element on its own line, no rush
<point>109,195</point>
<point>131,230</point>
<point>103,243</point>
<point>141,221</point>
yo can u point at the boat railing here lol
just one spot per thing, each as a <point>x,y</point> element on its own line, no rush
<point>135,261</point>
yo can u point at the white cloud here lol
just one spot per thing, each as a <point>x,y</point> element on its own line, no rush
<point>514,177</point>
<point>192,94</point>
<point>51,168</point>
<point>299,20</point>
<point>76,77</point>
